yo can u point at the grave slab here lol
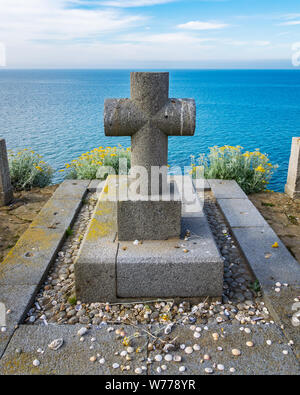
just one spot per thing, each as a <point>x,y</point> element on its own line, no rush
<point>241,213</point>
<point>226,189</point>
<point>292,187</point>
<point>73,358</point>
<point>260,359</point>
<point>72,189</point>
<point>18,299</point>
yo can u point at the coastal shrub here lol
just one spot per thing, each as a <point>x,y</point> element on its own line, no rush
<point>251,170</point>
<point>28,170</point>
<point>87,166</point>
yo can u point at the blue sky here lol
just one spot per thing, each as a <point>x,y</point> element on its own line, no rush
<point>150,34</point>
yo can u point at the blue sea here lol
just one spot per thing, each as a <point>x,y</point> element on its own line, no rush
<point>59,113</point>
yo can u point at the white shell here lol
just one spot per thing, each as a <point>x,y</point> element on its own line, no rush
<point>56,344</point>
<point>188,350</point>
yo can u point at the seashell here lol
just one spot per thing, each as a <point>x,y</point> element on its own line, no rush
<point>182,369</point>
<point>236,352</point>
<point>188,350</point>
<point>56,344</point>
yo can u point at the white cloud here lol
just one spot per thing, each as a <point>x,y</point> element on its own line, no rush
<point>290,23</point>
<point>134,3</point>
<point>177,38</point>
<point>52,20</point>
<point>198,25</point>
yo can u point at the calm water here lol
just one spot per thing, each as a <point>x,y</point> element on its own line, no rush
<point>59,113</point>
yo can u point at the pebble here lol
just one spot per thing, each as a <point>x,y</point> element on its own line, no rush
<point>93,359</point>
<point>247,330</point>
<point>36,363</point>
<point>177,358</point>
<point>277,290</point>
<point>269,342</point>
<point>82,331</point>
<point>197,335</point>
<point>196,347</point>
<point>158,358</point>
<point>182,369</point>
<point>115,366</point>
<point>188,350</point>
<point>250,344</point>
<point>138,371</point>
<point>158,369</point>
<point>209,370</point>
<point>215,336</point>
<point>285,352</point>
<point>206,357</point>
<point>130,350</point>
<point>220,367</point>
<point>168,357</point>
<point>102,361</point>
<point>236,352</point>
<point>164,367</point>
<point>232,370</point>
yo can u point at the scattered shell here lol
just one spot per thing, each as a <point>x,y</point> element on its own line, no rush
<point>197,335</point>
<point>102,361</point>
<point>236,352</point>
<point>130,350</point>
<point>206,357</point>
<point>232,370</point>
<point>247,330</point>
<point>219,348</point>
<point>36,363</point>
<point>82,331</point>
<point>277,290</point>
<point>168,357</point>
<point>278,284</point>
<point>196,347</point>
<point>168,328</point>
<point>209,370</point>
<point>177,358</point>
<point>182,369</point>
<point>220,367</point>
<point>269,342</point>
<point>158,369</point>
<point>185,250</point>
<point>158,358</point>
<point>93,359</point>
<point>215,336</point>
<point>123,353</point>
<point>116,366</point>
<point>138,371</point>
<point>164,367</point>
<point>285,352</point>
<point>250,344</point>
<point>182,346</point>
<point>188,350</point>
<point>56,344</point>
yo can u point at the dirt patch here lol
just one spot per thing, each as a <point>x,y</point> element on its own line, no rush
<point>16,218</point>
<point>283,215</point>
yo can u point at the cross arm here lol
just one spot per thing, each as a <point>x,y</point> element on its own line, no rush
<point>177,117</point>
<point>122,117</point>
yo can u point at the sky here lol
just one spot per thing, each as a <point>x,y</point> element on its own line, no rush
<point>150,34</point>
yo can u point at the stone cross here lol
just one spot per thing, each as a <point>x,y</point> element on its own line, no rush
<point>292,187</point>
<point>149,117</point>
<point>6,191</point>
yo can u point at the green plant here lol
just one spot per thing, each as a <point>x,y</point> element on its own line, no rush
<point>28,170</point>
<point>256,286</point>
<point>251,170</point>
<point>266,204</point>
<point>88,164</point>
<point>69,231</point>
<point>72,300</point>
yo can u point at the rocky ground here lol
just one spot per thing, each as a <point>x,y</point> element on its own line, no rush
<point>283,215</point>
<point>15,218</point>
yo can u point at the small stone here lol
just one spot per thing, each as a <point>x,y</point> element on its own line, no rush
<point>182,369</point>
<point>158,369</point>
<point>236,352</point>
<point>278,284</point>
<point>138,371</point>
<point>115,366</point>
<point>56,344</point>
<point>250,344</point>
<point>82,331</point>
<point>196,347</point>
<point>269,342</point>
<point>177,358</point>
<point>130,350</point>
<point>158,358</point>
<point>182,346</point>
<point>36,363</point>
<point>285,352</point>
<point>219,348</point>
<point>277,290</point>
<point>232,370</point>
<point>93,359</point>
<point>206,357</point>
<point>215,336</point>
<point>247,330</point>
<point>208,370</point>
<point>188,350</point>
<point>164,367</point>
<point>197,335</point>
<point>123,353</point>
<point>102,361</point>
<point>168,357</point>
<point>220,367</point>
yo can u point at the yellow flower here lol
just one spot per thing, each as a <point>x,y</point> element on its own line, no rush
<point>39,168</point>
<point>275,245</point>
<point>260,169</point>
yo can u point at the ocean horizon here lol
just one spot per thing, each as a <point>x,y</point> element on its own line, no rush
<point>59,112</point>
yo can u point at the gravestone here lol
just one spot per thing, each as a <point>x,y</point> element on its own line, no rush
<point>6,191</point>
<point>149,117</point>
<point>174,253</point>
<point>292,187</point>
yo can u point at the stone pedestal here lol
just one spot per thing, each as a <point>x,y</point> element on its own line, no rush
<point>110,270</point>
<point>6,191</point>
<point>292,187</point>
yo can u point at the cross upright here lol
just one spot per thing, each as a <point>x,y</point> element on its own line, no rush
<point>149,117</point>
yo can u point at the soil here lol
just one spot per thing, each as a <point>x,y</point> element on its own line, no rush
<point>16,218</point>
<point>283,215</point>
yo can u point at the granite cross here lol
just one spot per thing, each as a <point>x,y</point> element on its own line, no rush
<point>149,117</point>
